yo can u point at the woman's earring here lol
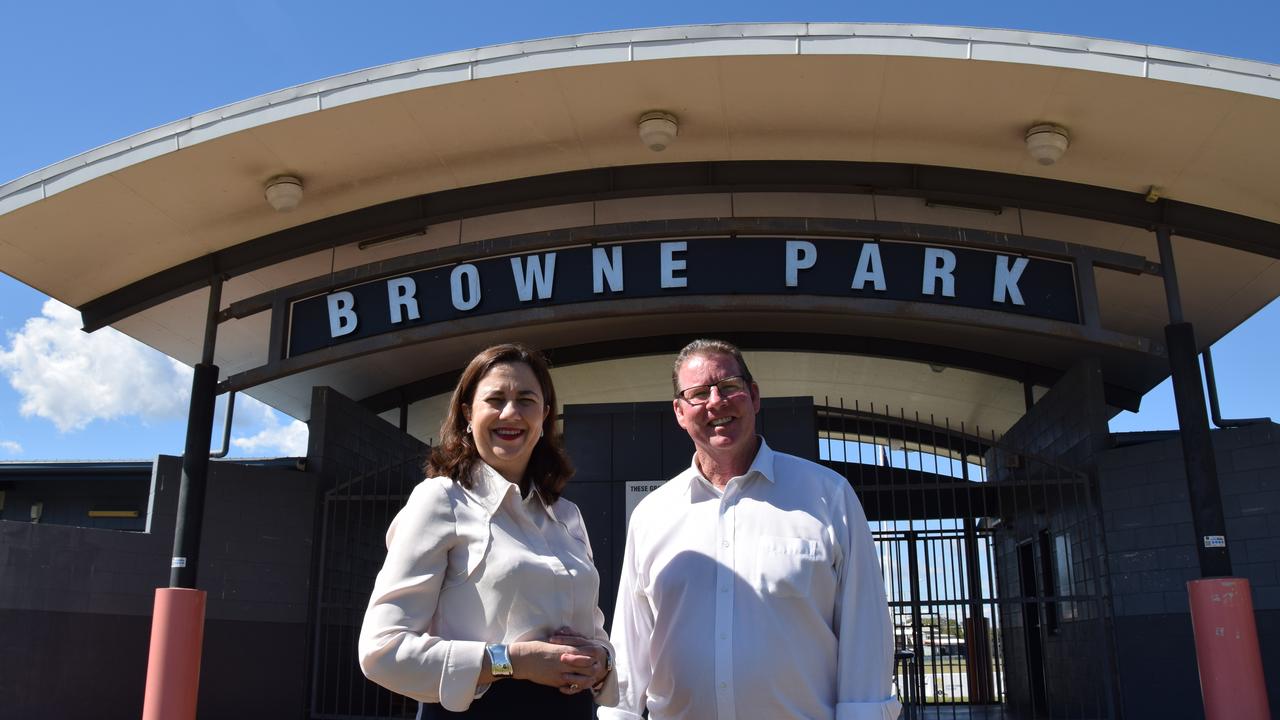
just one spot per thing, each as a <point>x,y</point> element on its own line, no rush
<point>468,428</point>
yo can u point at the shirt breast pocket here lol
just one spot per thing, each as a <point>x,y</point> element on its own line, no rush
<point>785,565</point>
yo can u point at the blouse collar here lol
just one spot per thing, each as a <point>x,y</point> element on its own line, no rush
<point>491,489</point>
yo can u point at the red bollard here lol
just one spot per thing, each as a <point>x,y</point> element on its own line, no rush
<point>1231,679</point>
<point>173,665</point>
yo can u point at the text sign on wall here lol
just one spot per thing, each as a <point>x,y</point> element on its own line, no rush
<point>637,491</point>
<point>911,272</point>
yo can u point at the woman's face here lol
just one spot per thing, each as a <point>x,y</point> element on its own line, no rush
<point>506,415</point>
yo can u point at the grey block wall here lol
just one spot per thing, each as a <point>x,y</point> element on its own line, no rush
<point>1047,457</point>
<point>366,468</point>
<point>75,603</point>
<point>1152,556</point>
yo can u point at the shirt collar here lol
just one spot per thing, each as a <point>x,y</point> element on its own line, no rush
<point>761,465</point>
<point>491,489</point>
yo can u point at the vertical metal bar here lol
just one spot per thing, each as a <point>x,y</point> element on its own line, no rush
<point>195,457</point>
<point>1197,453</point>
<point>1087,286</point>
<point>1197,445</point>
<point>319,669</point>
<point>1172,296</point>
<point>917,620</point>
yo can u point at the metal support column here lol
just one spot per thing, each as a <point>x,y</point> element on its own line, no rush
<point>1193,423</point>
<point>1232,684</point>
<point>195,456</point>
<point>177,621</point>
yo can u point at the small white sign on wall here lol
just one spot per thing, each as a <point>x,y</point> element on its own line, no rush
<point>636,491</point>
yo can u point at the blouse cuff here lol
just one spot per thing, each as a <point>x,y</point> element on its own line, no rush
<point>607,693</point>
<point>462,664</point>
<point>887,709</point>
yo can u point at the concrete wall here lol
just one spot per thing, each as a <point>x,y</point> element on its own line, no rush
<point>75,603</point>
<point>1152,556</point>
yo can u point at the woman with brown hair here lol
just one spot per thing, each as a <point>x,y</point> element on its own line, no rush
<point>487,602</point>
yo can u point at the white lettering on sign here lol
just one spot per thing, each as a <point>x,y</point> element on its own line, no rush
<point>606,268</point>
<point>539,272</point>
<point>870,269</point>
<point>801,255</point>
<point>400,298</point>
<point>1007,277</point>
<point>670,264</point>
<point>939,266</point>
<point>464,286</point>
<point>342,314</point>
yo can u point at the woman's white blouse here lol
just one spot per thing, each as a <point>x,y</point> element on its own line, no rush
<point>470,566</point>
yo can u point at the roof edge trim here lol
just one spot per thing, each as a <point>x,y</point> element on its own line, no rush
<point>1047,49</point>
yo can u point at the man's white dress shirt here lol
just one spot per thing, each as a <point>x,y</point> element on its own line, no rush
<point>763,602</point>
<point>470,566</point>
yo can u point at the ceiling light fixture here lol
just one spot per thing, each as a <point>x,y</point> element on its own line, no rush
<point>1047,142</point>
<point>658,129</point>
<point>283,192</point>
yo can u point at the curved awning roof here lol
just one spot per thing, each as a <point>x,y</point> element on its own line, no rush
<point>1198,126</point>
<point>894,109</point>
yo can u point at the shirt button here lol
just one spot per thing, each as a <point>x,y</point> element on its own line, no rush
<point>724,636</point>
<point>724,685</point>
<point>724,588</point>
<point>724,544</point>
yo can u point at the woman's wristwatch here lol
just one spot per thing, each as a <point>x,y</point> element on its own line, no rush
<point>500,661</point>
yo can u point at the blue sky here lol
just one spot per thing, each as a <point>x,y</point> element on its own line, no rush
<point>81,74</point>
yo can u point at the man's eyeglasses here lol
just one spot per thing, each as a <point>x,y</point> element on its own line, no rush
<point>701,394</point>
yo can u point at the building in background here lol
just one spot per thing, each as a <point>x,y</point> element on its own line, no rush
<point>941,249</point>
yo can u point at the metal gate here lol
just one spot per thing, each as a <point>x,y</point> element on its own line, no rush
<point>355,516</point>
<point>993,567</point>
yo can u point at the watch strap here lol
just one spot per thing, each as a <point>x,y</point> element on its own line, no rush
<point>499,660</point>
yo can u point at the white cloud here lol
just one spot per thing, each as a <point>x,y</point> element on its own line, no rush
<point>11,447</point>
<point>73,378</point>
<point>273,437</point>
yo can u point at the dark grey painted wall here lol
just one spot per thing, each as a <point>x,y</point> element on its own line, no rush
<point>1051,526</point>
<point>75,603</point>
<point>366,468</point>
<point>1152,556</point>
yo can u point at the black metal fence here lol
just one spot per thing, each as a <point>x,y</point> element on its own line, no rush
<point>992,562</point>
<point>355,516</point>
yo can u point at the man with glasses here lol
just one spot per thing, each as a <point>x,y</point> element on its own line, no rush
<point>750,583</point>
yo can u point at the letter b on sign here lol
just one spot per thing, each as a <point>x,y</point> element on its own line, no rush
<point>342,314</point>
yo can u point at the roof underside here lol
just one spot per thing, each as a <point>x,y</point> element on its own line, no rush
<point>1198,127</point>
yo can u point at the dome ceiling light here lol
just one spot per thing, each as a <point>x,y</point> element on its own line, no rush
<point>1047,142</point>
<point>283,192</point>
<point>658,129</point>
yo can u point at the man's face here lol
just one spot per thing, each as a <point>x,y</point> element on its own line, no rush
<point>723,426</point>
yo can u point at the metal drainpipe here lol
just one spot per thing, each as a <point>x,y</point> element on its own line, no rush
<point>226,427</point>
<point>1214,412</point>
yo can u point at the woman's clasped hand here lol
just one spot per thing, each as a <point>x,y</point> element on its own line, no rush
<point>568,661</point>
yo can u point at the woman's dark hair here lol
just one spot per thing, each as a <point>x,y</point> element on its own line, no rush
<point>455,456</point>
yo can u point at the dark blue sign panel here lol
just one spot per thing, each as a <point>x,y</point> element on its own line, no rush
<point>890,270</point>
